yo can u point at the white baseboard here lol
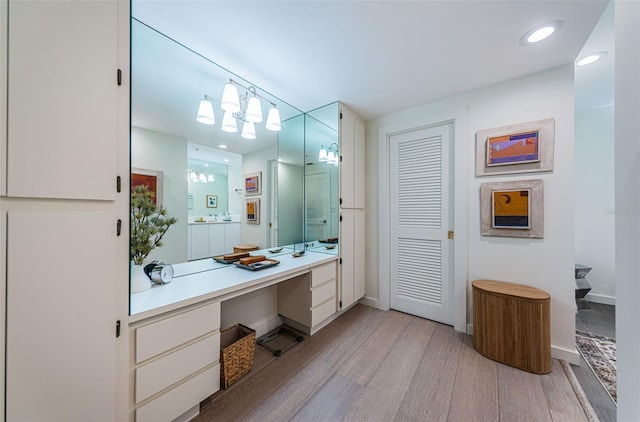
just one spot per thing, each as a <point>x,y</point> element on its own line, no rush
<point>373,302</point>
<point>571,356</point>
<point>603,299</point>
<point>267,324</point>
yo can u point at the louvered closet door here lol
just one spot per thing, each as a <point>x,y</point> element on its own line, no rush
<point>419,211</point>
<point>273,203</point>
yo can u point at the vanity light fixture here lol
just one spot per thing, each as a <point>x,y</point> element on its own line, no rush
<point>229,122</point>
<point>273,119</point>
<point>197,177</point>
<point>210,178</point>
<point>329,154</point>
<point>205,112</point>
<point>541,32</point>
<point>247,108</point>
<point>591,58</point>
<point>248,130</point>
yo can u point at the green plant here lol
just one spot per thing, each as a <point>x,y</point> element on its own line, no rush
<point>149,223</point>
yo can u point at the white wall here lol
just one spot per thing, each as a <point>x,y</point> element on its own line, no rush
<point>594,175</point>
<point>627,175</point>
<point>157,151</point>
<point>543,263</point>
<point>256,234</point>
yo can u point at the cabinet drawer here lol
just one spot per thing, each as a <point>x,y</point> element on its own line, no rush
<point>323,311</point>
<point>323,292</point>
<point>168,370</point>
<point>171,332</point>
<point>175,402</point>
<point>323,273</point>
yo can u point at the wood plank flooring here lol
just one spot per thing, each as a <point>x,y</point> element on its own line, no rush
<point>372,365</point>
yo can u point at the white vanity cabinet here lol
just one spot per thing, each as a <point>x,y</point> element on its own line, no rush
<point>175,360</point>
<point>63,99</point>
<point>352,214</point>
<point>307,301</point>
<point>211,239</point>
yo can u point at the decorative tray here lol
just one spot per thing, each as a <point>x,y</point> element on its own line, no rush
<point>261,265</point>
<point>220,259</point>
<point>330,240</point>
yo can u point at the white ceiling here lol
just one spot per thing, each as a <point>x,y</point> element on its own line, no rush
<point>377,57</point>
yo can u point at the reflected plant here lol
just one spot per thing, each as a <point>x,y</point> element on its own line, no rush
<point>149,223</point>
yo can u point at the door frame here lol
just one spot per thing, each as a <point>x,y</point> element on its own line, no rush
<point>459,120</point>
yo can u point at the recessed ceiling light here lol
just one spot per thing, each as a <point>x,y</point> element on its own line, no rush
<point>206,165</point>
<point>541,32</point>
<point>223,146</point>
<point>226,160</point>
<point>591,58</point>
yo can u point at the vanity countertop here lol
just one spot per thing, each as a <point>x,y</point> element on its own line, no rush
<point>220,283</point>
<point>212,222</point>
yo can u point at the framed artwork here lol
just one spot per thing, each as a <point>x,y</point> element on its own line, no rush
<point>212,201</point>
<point>152,179</point>
<point>513,209</point>
<point>521,148</point>
<point>253,183</point>
<point>252,211</point>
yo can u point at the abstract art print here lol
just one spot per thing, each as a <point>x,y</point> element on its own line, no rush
<point>513,209</point>
<point>520,148</point>
<point>252,212</point>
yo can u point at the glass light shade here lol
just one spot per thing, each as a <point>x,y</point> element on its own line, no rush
<point>230,100</point>
<point>193,176</point>
<point>322,157</point>
<point>273,120</point>
<point>248,130</point>
<point>210,178</point>
<point>205,113</point>
<point>331,157</point>
<point>229,122</point>
<point>336,163</point>
<point>254,110</point>
<point>202,178</point>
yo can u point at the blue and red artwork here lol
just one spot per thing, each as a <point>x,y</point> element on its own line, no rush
<point>513,149</point>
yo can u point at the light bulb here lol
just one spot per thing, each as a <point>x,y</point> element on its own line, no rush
<point>229,122</point>
<point>273,120</point>
<point>230,100</point>
<point>205,113</point>
<point>254,110</point>
<point>322,157</point>
<point>248,130</point>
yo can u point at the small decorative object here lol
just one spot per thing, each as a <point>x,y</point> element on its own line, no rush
<point>149,223</point>
<point>521,148</point>
<point>252,183</point>
<point>513,209</point>
<point>212,201</point>
<point>253,211</point>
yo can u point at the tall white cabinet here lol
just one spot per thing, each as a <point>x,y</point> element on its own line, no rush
<point>64,279</point>
<point>352,213</point>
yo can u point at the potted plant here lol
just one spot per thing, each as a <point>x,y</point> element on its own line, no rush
<point>149,224</point>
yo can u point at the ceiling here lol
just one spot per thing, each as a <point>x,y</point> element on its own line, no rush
<point>377,57</point>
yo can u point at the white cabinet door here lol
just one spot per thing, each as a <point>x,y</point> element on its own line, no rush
<point>61,315</point>
<point>198,241</point>
<point>216,239</point>
<point>62,62</point>
<point>352,254</point>
<point>4,13</point>
<point>352,164</point>
<point>232,236</point>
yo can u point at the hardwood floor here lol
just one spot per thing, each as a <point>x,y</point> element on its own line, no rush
<point>372,365</point>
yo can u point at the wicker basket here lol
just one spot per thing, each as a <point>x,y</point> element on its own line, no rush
<point>237,345</point>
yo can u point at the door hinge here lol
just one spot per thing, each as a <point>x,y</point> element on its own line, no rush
<point>341,118</point>
<point>341,158</point>
<point>340,201</point>
<point>340,304</point>
<point>118,227</point>
<point>340,218</point>
<point>118,184</point>
<point>117,328</point>
<point>340,261</point>
<point>450,234</point>
<point>119,77</point>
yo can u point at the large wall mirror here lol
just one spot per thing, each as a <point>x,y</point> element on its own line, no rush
<point>203,169</point>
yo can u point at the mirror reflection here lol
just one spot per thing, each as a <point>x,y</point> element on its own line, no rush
<point>210,173</point>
